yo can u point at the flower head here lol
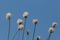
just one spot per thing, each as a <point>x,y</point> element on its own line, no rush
<point>8,15</point>
<point>51,30</point>
<point>38,38</point>
<point>20,27</point>
<point>54,24</point>
<point>35,21</point>
<point>25,15</point>
<point>27,32</point>
<point>19,21</point>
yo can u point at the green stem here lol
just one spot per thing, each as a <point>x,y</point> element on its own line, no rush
<point>27,37</point>
<point>19,35</point>
<point>49,36</point>
<point>24,29</point>
<point>34,32</point>
<point>14,35</point>
<point>9,30</point>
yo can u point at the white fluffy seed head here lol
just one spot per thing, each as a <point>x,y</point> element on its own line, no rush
<point>51,30</point>
<point>20,27</point>
<point>25,15</point>
<point>54,24</point>
<point>38,38</point>
<point>8,15</point>
<point>19,21</point>
<point>35,21</point>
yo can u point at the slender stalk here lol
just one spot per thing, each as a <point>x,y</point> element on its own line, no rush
<point>34,32</point>
<point>27,37</point>
<point>19,35</point>
<point>49,36</point>
<point>14,35</point>
<point>9,30</point>
<point>24,29</point>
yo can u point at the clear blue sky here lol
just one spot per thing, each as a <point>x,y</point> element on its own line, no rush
<point>46,11</point>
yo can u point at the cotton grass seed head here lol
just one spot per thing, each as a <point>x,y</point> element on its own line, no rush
<point>25,15</point>
<point>8,15</point>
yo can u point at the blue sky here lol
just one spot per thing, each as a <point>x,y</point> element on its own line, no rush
<point>46,11</point>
